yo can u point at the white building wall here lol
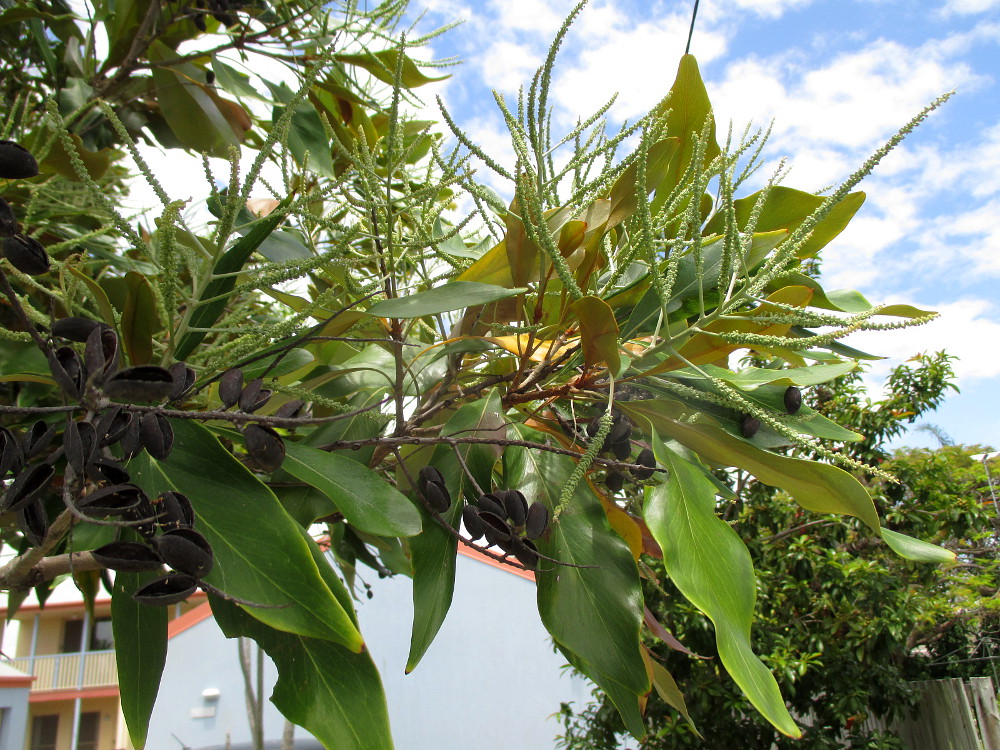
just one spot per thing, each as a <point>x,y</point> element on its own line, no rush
<point>491,678</point>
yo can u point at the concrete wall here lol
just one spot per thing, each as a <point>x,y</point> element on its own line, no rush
<point>14,705</point>
<point>490,679</point>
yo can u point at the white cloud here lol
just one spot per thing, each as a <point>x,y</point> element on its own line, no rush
<point>968,7</point>
<point>967,328</point>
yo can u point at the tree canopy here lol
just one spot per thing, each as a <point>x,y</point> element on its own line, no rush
<point>554,378</point>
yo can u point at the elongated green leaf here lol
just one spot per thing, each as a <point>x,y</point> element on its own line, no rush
<point>815,486</point>
<point>207,312</point>
<point>139,319</point>
<point>260,555</point>
<point>711,566</point>
<point>594,611</point>
<point>365,499</point>
<point>140,650</point>
<point>844,300</point>
<point>786,208</point>
<point>193,111</point>
<point>456,295</point>
<point>333,693</point>
<point>598,333</point>
<point>667,689</point>
<point>382,65</point>
<point>434,549</point>
<point>307,134</point>
<point>752,377</point>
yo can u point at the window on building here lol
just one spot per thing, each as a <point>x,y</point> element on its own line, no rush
<point>72,632</point>
<point>89,731</point>
<point>44,730</point>
<point>101,636</point>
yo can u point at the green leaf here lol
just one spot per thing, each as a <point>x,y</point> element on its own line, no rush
<point>291,360</point>
<point>434,549</point>
<point>307,133</point>
<point>750,378</point>
<point>594,611</point>
<point>195,114</point>
<point>365,499</point>
<point>233,81</point>
<point>333,693</point>
<point>818,487</point>
<point>382,65</point>
<point>260,555</point>
<point>215,295</point>
<point>141,651</point>
<point>598,333</point>
<point>815,486</point>
<point>686,107</point>
<point>706,559</point>
<point>667,689</point>
<point>283,246</point>
<point>139,319</point>
<point>455,295</point>
<point>786,208</point>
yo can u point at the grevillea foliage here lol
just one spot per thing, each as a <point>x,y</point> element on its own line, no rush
<point>561,369</point>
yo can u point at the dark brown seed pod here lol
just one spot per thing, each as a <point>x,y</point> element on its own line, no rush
<point>26,254</point>
<point>516,506</point>
<point>490,503</point>
<point>128,557</point>
<point>37,438</point>
<point>142,516</point>
<point>526,553</point>
<point>131,438</point>
<point>622,450</point>
<point>594,425</point>
<point>265,446</point>
<point>749,426</point>
<point>290,409</point>
<point>33,521</point>
<point>67,370</point>
<point>186,551</point>
<point>74,328</point>
<point>614,481</point>
<point>184,378</point>
<point>107,470</point>
<point>157,435</point>
<point>621,431</point>
<point>145,383</point>
<point>230,386</point>
<point>647,459</point>
<point>437,496</point>
<point>28,486</point>
<point>474,525</point>
<point>173,511</point>
<point>537,520</point>
<point>16,162</point>
<point>114,500</point>
<point>111,425</point>
<point>429,474</point>
<point>248,396</point>
<point>8,221</point>
<point>166,590</point>
<point>793,399</point>
<point>79,444</point>
<point>497,531</point>
<point>11,458</point>
<point>101,352</point>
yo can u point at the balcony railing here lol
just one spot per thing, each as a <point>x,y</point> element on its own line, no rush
<point>62,671</point>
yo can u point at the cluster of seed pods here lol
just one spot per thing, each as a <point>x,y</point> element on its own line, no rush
<point>166,524</point>
<point>619,444</point>
<point>503,517</point>
<point>222,11</point>
<point>25,253</point>
<point>263,444</point>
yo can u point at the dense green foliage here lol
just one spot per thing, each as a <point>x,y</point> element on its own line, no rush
<point>183,403</point>
<point>845,625</point>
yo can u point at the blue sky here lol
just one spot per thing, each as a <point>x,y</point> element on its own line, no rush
<point>838,77</point>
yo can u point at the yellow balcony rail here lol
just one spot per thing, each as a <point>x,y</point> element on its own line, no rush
<point>62,671</point>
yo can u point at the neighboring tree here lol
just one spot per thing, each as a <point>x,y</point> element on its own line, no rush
<point>169,402</point>
<point>845,626</point>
